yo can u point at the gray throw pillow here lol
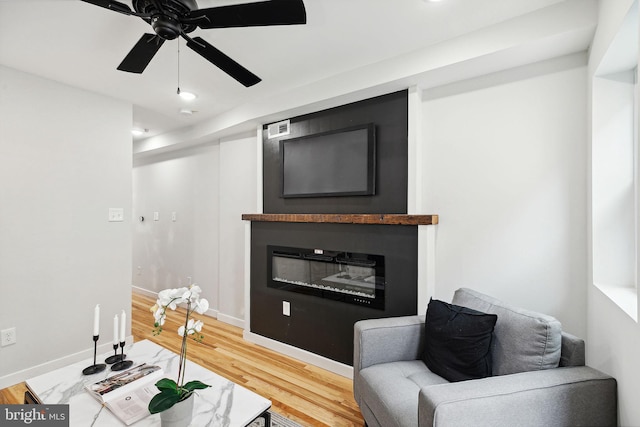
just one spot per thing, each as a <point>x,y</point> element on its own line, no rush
<point>523,340</point>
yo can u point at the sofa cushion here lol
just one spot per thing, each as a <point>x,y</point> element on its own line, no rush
<point>523,340</point>
<point>458,341</point>
<point>390,391</point>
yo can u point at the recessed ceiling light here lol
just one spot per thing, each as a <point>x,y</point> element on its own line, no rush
<point>138,131</point>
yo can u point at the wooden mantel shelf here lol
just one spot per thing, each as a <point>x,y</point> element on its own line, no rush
<point>385,219</point>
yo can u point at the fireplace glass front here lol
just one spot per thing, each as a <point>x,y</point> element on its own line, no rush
<point>350,277</point>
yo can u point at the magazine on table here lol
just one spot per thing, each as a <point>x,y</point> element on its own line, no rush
<point>127,393</point>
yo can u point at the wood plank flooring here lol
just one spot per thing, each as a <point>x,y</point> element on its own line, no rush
<point>304,393</point>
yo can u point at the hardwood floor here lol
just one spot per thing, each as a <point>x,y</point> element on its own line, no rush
<point>304,393</point>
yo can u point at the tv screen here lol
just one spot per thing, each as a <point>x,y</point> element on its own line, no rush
<point>335,163</point>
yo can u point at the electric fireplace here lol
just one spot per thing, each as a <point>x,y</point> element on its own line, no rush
<point>350,277</point>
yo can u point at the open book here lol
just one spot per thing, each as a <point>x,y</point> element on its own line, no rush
<point>127,393</point>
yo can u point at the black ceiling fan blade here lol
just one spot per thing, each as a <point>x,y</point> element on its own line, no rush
<point>111,5</point>
<point>274,12</point>
<point>222,61</point>
<point>141,54</point>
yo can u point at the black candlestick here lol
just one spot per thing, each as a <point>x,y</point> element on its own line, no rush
<point>116,357</point>
<point>122,364</point>
<point>95,368</point>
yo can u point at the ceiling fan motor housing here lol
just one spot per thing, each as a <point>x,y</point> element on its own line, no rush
<point>166,27</point>
<point>166,16</point>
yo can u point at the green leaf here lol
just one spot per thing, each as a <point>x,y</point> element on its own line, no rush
<point>163,401</point>
<point>167,384</point>
<point>195,385</point>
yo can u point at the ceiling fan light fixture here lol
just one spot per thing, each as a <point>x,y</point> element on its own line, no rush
<point>187,96</point>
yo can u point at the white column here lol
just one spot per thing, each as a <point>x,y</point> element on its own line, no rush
<point>426,265</point>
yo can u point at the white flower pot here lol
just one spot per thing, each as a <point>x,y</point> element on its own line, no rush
<point>179,415</point>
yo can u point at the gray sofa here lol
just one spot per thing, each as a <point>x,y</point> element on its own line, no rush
<point>539,375</point>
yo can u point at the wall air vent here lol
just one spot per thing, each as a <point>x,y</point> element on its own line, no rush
<point>275,130</point>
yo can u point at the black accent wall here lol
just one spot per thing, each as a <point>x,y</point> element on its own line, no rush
<point>319,325</point>
<point>389,113</point>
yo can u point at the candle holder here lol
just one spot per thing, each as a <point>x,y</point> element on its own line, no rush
<point>115,358</point>
<point>122,364</point>
<point>95,368</point>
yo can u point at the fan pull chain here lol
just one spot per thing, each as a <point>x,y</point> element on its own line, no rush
<point>178,66</point>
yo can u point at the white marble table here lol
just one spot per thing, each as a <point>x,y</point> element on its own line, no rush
<point>224,404</point>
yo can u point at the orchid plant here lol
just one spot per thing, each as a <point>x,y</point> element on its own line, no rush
<point>172,392</point>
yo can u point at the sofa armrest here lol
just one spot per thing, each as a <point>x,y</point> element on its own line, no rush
<point>387,340</point>
<point>559,397</point>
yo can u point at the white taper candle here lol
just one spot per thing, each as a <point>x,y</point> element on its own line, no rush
<point>115,330</point>
<point>96,320</point>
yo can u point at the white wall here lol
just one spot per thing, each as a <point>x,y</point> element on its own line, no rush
<point>65,159</point>
<point>613,189</point>
<point>506,171</point>
<point>167,253</point>
<point>613,341</point>
<point>238,177</point>
<point>209,188</point>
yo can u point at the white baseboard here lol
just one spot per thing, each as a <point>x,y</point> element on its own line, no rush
<point>144,292</point>
<point>34,371</point>
<point>300,354</point>
<point>230,320</point>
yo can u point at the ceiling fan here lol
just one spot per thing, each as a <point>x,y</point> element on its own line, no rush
<point>173,18</point>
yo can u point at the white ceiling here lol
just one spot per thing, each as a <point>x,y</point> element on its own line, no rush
<point>81,45</point>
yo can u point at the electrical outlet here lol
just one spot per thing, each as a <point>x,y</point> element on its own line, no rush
<point>116,214</point>
<point>286,308</point>
<point>7,337</point>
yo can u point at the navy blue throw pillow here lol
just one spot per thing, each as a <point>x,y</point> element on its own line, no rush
<point>458,341</point>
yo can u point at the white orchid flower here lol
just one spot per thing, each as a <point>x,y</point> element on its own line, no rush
<point>192,326</point>
<point>202,306</point>
<point>192,294</point>
<point>171,298</point>
<point>168,298</point>
<point>160,316</point>
<point>178,292</point>
<point>164,297</point>
<point>176,298</point>
<point>195,292</point>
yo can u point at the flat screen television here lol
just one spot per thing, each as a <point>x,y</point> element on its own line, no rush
<point>334,163</point>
